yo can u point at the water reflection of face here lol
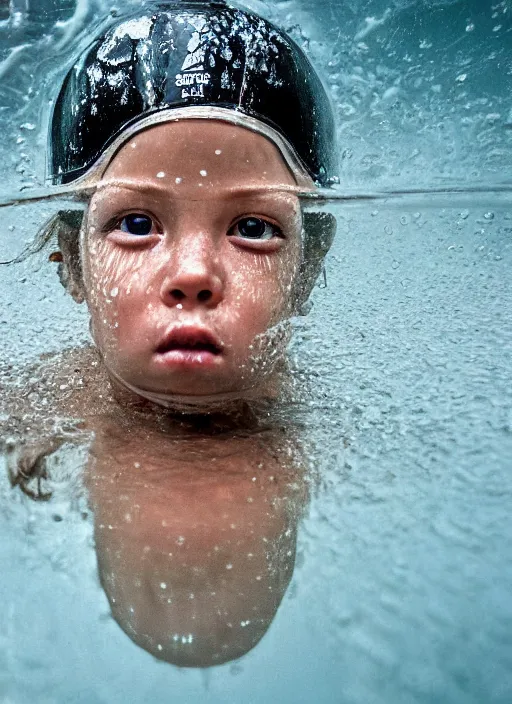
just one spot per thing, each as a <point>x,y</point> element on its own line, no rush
<point>187,260</point>
<point>195,539</point>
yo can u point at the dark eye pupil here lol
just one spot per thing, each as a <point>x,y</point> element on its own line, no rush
<point>252,227</point>
<point>137,224</point>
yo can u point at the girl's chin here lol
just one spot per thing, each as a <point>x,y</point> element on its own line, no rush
<point>193,398</point>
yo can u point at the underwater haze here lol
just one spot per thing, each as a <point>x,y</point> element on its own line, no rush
<point>384,532</point>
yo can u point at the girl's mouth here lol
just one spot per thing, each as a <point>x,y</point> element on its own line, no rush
<point>189,346</point>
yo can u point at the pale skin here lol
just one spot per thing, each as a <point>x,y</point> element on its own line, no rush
<point>195,539</point>
<point>189,256</point>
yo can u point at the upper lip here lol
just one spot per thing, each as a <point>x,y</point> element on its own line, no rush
<point>189,337</point>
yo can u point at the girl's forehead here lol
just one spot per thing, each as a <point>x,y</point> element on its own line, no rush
<point>200,154</point>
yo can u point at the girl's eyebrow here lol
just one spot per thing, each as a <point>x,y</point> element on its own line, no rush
<point>220,193</point>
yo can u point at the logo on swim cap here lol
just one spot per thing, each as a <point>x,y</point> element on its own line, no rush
<point>194,77</point>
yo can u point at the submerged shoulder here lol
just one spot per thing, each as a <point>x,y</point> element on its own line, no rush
<point>69,385</point>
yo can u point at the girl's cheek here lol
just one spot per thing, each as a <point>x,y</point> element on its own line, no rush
<point>111,271</point>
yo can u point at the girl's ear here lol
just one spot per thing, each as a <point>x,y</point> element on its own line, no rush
<point>66,226</point>
<point>319,231</point>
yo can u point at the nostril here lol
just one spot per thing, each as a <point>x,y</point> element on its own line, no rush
<point>177,294</point>
<point>204,295</point>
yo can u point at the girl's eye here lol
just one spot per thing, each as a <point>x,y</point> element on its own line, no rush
<point>137,224</point>
<point>255,229</point>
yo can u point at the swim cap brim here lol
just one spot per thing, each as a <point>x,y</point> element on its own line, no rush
<point>91,177</point>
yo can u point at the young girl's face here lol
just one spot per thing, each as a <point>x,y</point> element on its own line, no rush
<point>189,258</point>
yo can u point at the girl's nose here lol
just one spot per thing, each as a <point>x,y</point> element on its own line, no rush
<point>195,277</point>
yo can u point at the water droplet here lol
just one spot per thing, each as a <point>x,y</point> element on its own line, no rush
<point>178,179</point>
<point>203,172</point>
<point>161,174</point>
<point>461,77</point>
<point>489,216</point>
<point>114,292</point>
<point>388,229</point>
<point>218,151</point>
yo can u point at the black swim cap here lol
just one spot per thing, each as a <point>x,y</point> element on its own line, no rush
<point>190,54</point>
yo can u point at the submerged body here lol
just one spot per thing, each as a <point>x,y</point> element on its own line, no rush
<point>197,505</point>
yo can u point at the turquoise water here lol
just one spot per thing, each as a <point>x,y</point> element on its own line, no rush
<point>387,530</point>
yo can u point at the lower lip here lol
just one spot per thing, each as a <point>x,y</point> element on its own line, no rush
<point>188,359</point>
